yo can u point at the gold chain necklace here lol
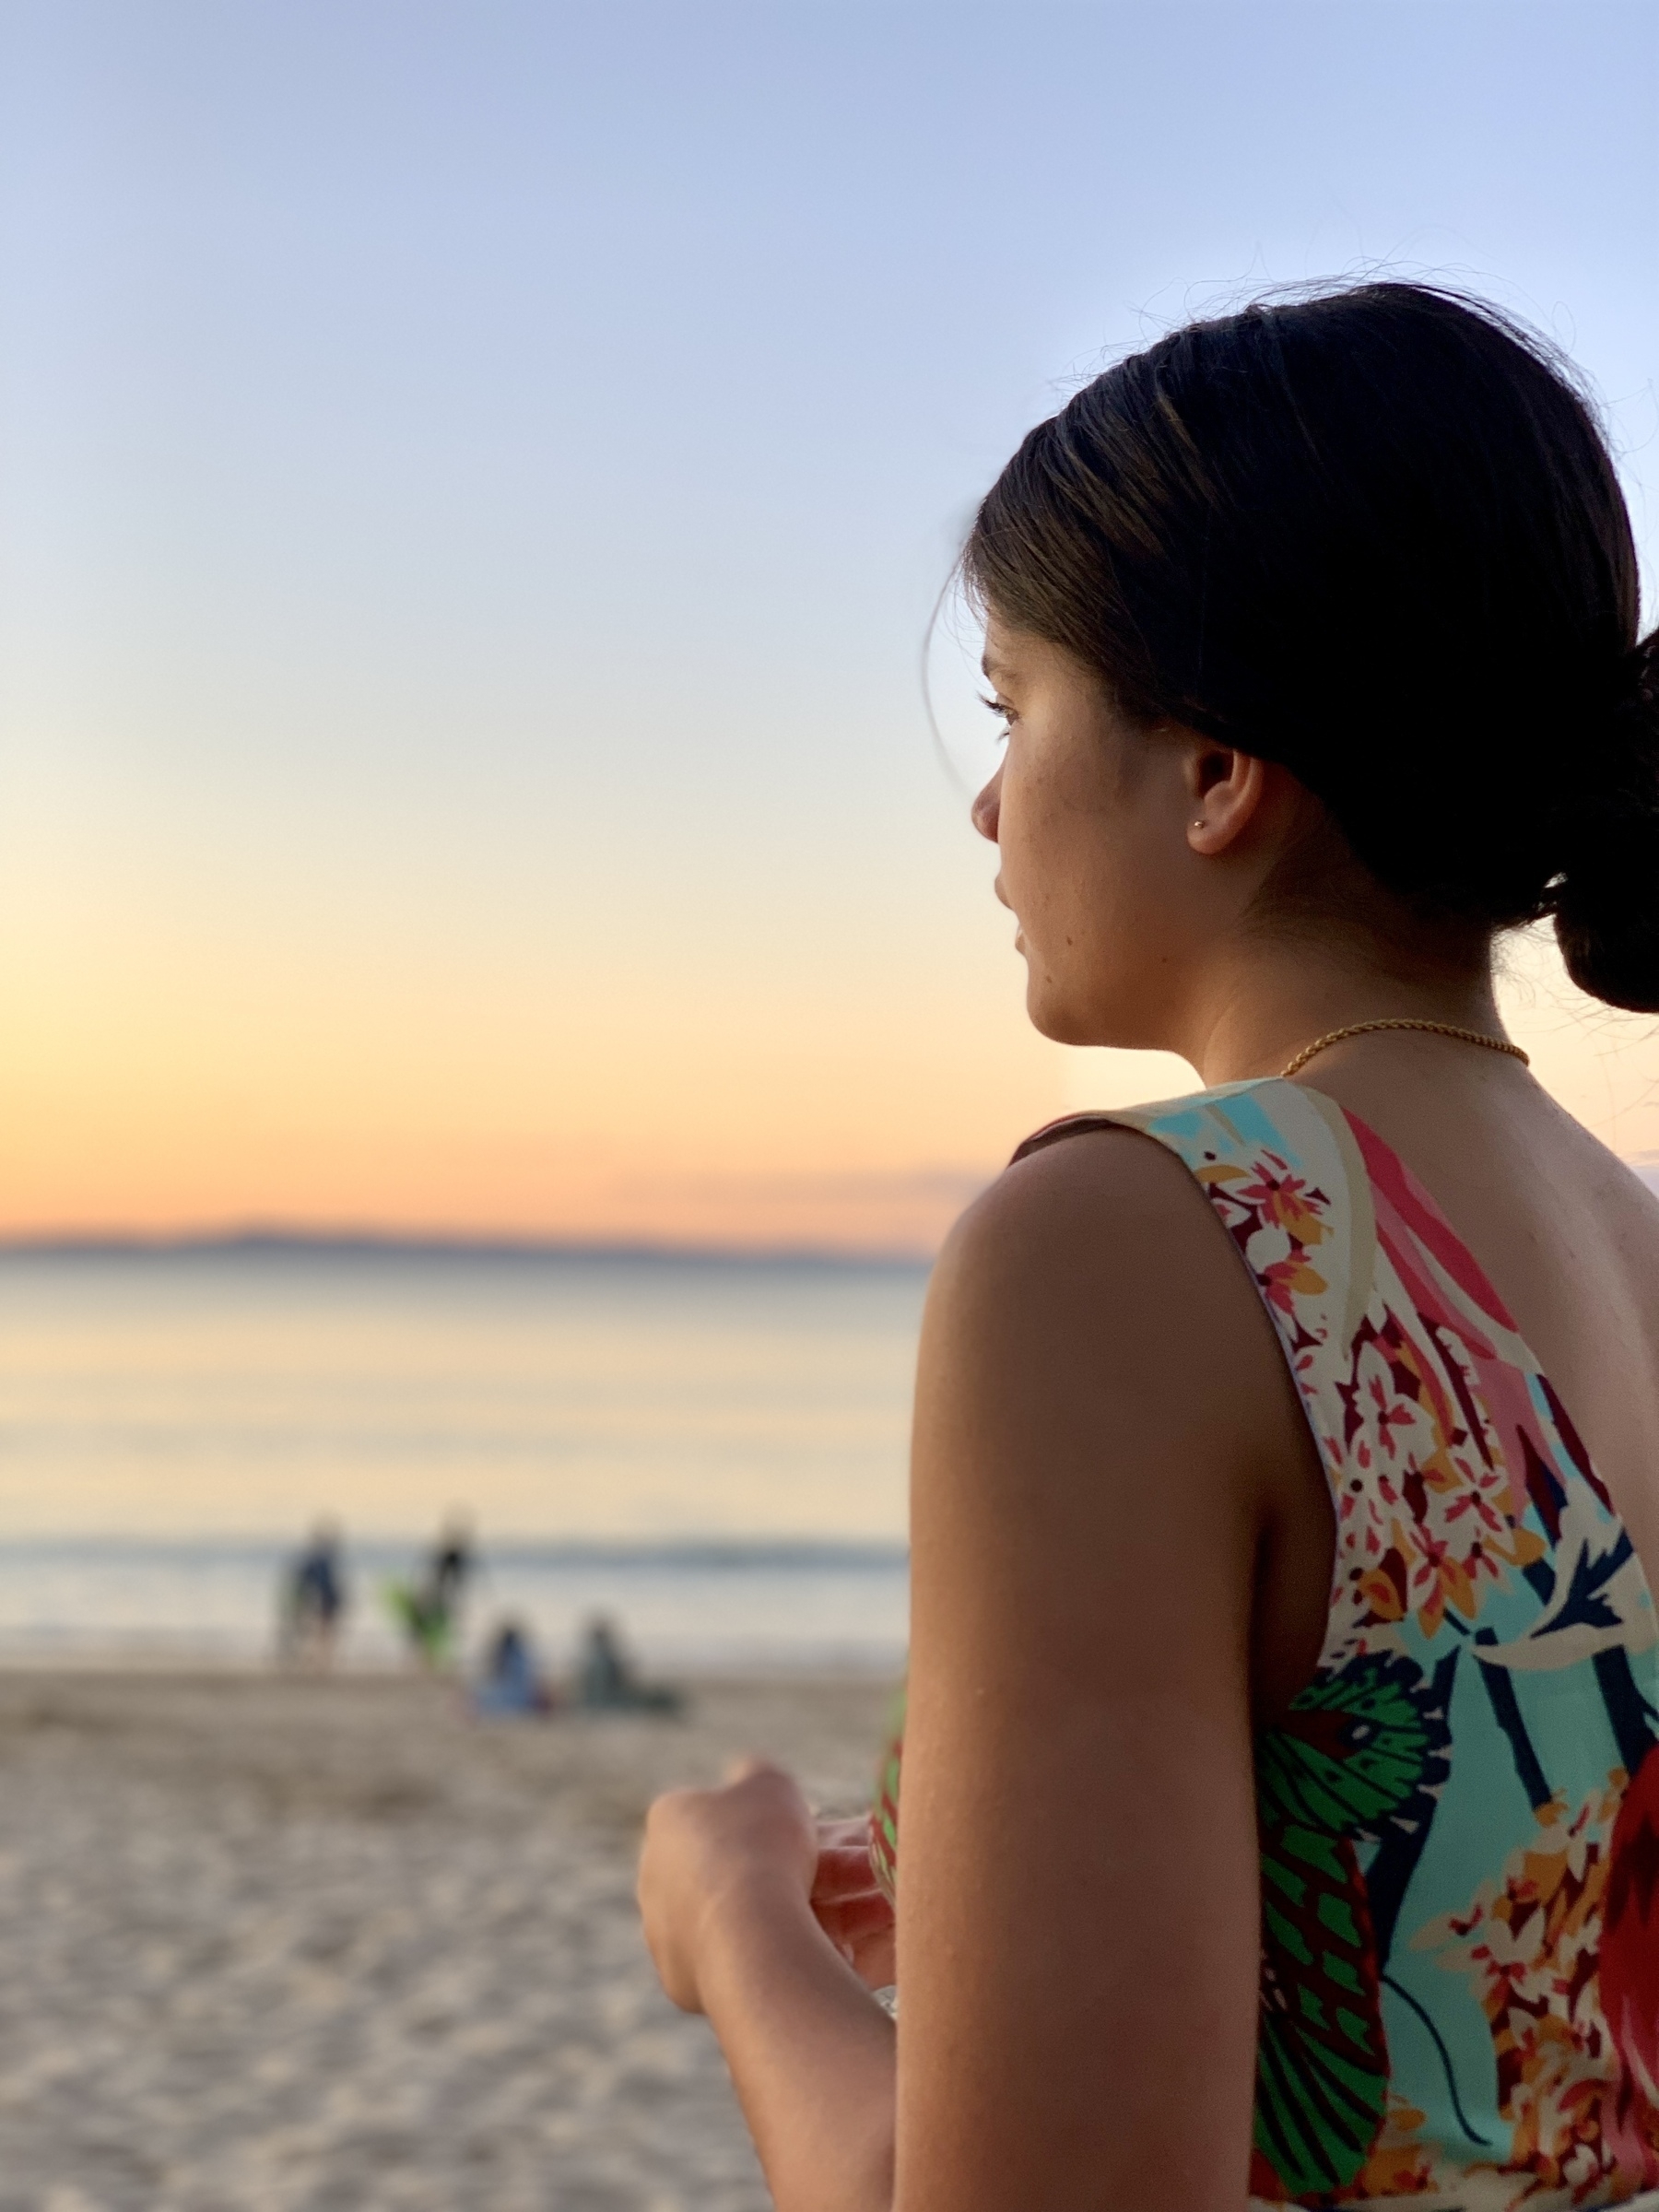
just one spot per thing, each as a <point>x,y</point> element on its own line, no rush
<point>1435,1028</point>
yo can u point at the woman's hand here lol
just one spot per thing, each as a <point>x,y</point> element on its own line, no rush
<point>726,1890</point>
<point>852,1910</point>
<point>709,1853</point>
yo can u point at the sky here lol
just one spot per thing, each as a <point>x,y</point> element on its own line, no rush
<point>474,480</point>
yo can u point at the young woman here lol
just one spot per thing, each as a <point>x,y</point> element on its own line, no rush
<point>1279,1818</point>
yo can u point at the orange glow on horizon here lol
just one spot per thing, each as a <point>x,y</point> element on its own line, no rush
<point>169,1087</point>
<point>854,1129</point>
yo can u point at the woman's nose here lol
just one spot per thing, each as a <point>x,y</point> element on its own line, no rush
<point>987,807</point>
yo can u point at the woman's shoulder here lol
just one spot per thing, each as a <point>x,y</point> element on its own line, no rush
<point>1098,1267</point>
<point>1100,1378</point>
<point>1091,1180</point>
<point>1085,1191</point>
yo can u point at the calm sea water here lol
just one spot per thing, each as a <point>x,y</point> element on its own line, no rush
<point>713,1450</point>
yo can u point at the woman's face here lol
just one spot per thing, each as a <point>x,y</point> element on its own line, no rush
<point>1091,817</point>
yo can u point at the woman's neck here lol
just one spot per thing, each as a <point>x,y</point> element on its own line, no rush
<point>1265,1004</point>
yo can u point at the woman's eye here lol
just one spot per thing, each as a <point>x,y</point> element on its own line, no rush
<point>1003,713</point>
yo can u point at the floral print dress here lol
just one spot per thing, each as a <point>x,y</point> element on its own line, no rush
<point>1459,1819</point>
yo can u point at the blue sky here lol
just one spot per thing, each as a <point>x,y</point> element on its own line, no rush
<point>473,480</point>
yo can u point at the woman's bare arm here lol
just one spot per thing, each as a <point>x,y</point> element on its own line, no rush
<point>1077,1931</point>
<point>1100,1400</point>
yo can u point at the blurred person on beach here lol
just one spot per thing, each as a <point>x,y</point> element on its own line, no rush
<point>606,1682</point>
<point>313,1600</point>
<point>1276,1814</point>
<point>510,1684</point>
<point>428,1609</point>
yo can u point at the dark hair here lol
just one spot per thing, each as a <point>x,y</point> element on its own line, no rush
<point>1376,535</point>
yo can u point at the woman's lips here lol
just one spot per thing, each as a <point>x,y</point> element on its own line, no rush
<point>1004,899</point>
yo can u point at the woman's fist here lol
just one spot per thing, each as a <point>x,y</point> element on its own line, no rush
<point>708,1853</point>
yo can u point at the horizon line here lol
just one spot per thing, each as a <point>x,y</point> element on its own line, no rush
<point>299,1240</point>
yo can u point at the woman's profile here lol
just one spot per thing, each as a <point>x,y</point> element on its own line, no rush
<point>1276,1814</point>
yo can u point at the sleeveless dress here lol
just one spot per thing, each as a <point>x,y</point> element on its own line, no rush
<point>1459,1819</point>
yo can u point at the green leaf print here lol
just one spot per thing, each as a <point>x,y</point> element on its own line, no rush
<point>1358,1759</point>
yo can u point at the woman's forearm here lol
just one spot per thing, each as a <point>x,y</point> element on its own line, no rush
<point>810,2051</point>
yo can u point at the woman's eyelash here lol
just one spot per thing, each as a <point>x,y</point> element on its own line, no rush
<point>996,707</point>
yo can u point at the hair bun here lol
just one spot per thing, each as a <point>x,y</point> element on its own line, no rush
<point>1607,902</point>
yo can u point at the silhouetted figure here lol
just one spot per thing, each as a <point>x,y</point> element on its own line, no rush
<point>606,1682</point>
<point>512,1683</point>
<point>427,1610</point>
<point>451,1564</point>
<point>313,1600</point>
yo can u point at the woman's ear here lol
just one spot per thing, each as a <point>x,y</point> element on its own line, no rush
<point>1225,788</point>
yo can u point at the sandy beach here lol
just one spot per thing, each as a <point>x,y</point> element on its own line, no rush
<point>275,1943</point>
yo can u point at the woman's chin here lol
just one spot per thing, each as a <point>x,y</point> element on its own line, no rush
<point>1053,1014</point>
<point>1052,1018</point>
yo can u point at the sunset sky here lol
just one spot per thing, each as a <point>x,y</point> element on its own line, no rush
<point>473,479</point>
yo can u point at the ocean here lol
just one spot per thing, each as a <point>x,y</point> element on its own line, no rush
<point>709,1450</point>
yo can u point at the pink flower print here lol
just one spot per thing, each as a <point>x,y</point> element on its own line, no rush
<point>1275,1193</point>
